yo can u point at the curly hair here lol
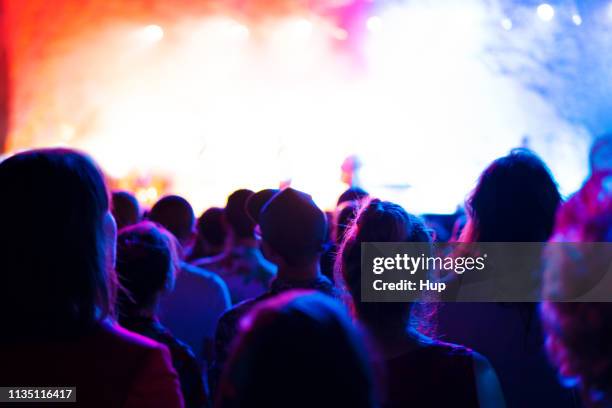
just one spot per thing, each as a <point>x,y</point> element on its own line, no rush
<point>579,335</point>
<point>147,261</point>
<point>379,221</point>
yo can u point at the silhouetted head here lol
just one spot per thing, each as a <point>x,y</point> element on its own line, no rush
<point>293,229</point>
<point>212,227</point>
<point>377,221</point>
<point>257,201</point>
<point>515,201</point>
<point>236,214</point>
<point>147,261</point>
<point>298,349</point>
<point>175,214</point>
<point>56,244</point>
<point>579,335</point>
<point>345,214</point>
<point>125,208</point>
<point>352,194</point>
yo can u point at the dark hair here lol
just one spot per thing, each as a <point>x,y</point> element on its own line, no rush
<point>293,227</point>
<point>345,214</point>
<point>146,263</point>
<point>579,335</point>
<point>298,349</point>
<point>125,208</point>
<point>236,214</point>
<point>56,281</point>
<point>175,214</point>
<point>377,221</point>
<point>515,201</point>
<point>352,194</point>
<point>212,227</point>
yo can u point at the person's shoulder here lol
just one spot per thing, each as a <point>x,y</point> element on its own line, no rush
<point>233,314</point>
<point>239,309</point>
<point>119,347</point>
<point>179,350</point>
<point>203,275</point>
<point>118,338</point>
<point>121,342</point>
<point>192,268</point>
<point>488,387</point>
<point>448,360</point>
<point>210,262</point>
<point>481,363</point>
<point>438,349</point>
<point>450,348</point>
<point>155,381</point>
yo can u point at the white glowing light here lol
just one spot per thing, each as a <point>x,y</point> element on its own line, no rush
<point>577,19</point>
<point>153,33</point>
<point>339,33</point>
<point>303,28</point>
<point>251,114</point>
<point>240,30</point>
<point>506,23</point>
<point>66,132</point>
<point>147,195</point>
<point>374,24</point>
<point>546,12</point>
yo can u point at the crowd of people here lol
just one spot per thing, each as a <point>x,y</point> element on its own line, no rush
<point>258,304</point>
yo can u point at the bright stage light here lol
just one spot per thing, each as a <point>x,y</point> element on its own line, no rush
<point>147,195</point>
<point>288,30</point>
<point>339,33</point>
<point>374,24</point>
<point>66,132</point>
<point>153,33</point>
<point>546,12</point>
<point>506,23</point>
<point>303,28</point>
<point>212,112</point>
<point>240,30</point>
<point>577,19</point>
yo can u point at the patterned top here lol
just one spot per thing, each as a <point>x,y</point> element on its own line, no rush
<point>183,359</point>
<point>244,269</point>
<point>227,328</point>
<point>192,309</point>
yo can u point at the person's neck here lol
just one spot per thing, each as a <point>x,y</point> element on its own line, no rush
<point>299,273</point>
